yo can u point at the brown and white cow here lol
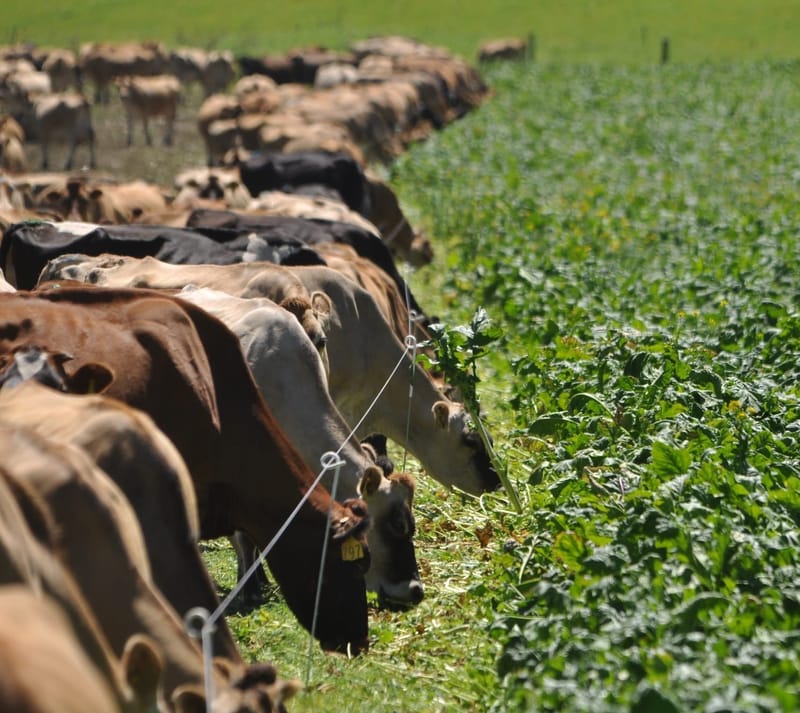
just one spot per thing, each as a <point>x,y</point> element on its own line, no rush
<point>186,370</point>
<point>292,378</point>
<point>366,347</point>
<point>145,98</point>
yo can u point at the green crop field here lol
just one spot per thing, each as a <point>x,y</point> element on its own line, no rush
<point>630,232</point>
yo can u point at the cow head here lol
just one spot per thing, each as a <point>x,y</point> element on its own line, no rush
<point>393,571</point>
<point>249,689</point>
<point>341,622</point>
<point>466,464</point>
<point>313,316</point>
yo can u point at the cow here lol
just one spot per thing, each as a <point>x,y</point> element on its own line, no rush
<point>288,370</point>
<point>12,155</point>
<point>148,97</point>
<point>42,665</point>
<point>100,542</point>
<point>102,62</point>
<point>366,348</point>
<point>217,108</point>
<point>211,183</point>
<point>506,48</point>
<point>62,67</point>
<point>101,202</point>
<point>144,464</point>
<point>269,172</point>
<point>26,248</point>
<point>28,531</point>
<point>186,370</point>
<point>65,116</point>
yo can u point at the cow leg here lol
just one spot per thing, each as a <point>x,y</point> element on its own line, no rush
<point>71,155</point>
<point>168,131</point>
<point>92,163</point>
<point>44,154</point>
<point>147,137</point>
<point>246,554</point>
<point>130,128</point>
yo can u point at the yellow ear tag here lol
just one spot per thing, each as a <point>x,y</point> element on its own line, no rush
<point>352,550</point>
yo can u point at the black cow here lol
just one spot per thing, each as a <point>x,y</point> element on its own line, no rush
<point>286,172</point>
<point>27,247</point>
<point>310,232</point>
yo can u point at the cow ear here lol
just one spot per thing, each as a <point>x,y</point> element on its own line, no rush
<point>189,698</point>
<point>370,481</point>
<point>405,480</point>
<point>441,414</point>
<point>92,378</point>
<point>143,668</point>
<point>96,193</point>
<point>321,303</point>
<point>282,691</point>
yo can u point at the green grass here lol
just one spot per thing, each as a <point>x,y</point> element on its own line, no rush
<point>573,30</point>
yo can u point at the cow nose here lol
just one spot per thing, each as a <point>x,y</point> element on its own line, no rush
<point>415,591</point>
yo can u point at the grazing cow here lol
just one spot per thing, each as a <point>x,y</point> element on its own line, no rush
<point>288,370</point>
<point>66,116</point>
<point>100,542</point>
<point>270,172</point>
<point>366,351</point>
<point>217,108</point>
<point>42,665</point>
<point>27,532</point>
<point>186,370</point>
<point>26,248</point>
<point>211,183</point>
<point>12,155</point>
<point>128,447</point>
<point>508,48</point>
<point>149,97</point>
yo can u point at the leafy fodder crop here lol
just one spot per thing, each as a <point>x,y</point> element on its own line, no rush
<point>634,234</point>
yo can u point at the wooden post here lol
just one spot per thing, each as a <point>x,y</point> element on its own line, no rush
<point>665,50</point>
<point>530,48</point>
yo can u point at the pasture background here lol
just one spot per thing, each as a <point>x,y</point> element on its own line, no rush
<point>599,207</point>
<point>566,30</point>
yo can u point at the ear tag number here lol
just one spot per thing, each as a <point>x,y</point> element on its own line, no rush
<point>352,550</point>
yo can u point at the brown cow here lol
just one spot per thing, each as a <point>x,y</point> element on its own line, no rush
<point>367,348</point>
<point>99,540</point>
<point>148,97</point>
<point>186,369</point>
<point>27,529</point>
<point>102,62</point>
<point>42,665</point>
<point>129,448</point>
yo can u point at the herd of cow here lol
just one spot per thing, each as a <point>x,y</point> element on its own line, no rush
<point>175,363</point>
